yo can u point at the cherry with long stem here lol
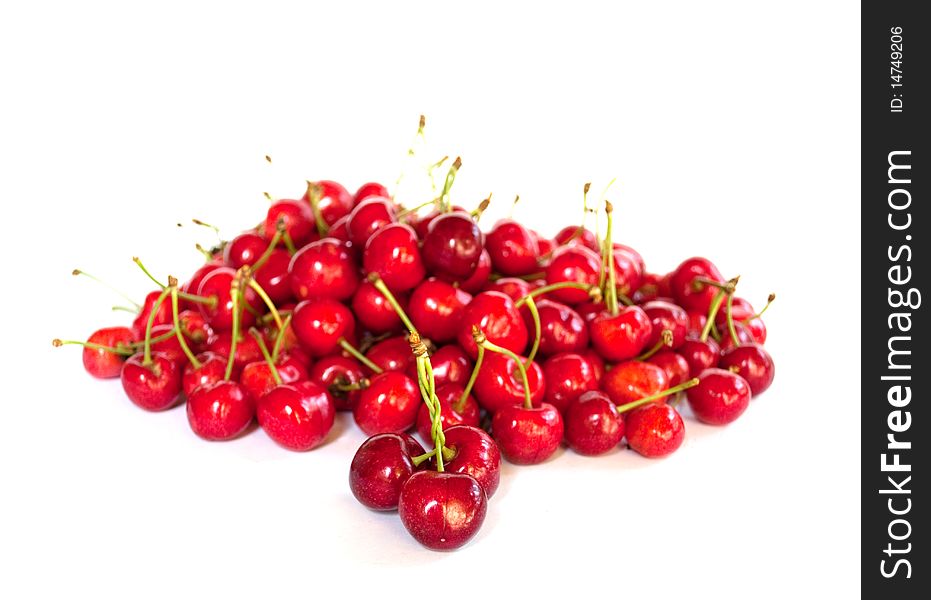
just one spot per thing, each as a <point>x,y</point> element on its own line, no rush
<point>183,295</point>
<point>673,390</point>
<point>537,330</point>
<point>725,289</point>
<point>427,385</point>
<point>357,354</point>
<point>173,286</point>
<point>448,184</point>
<point>268,357</point>
<point>313,196</point>
<point>593,290</point>
<point>279,339</point>
<point>769,301</point>
<point>482,342</point>
<point>460,404</point>
<point>381,287</point>
<point>235,296</point>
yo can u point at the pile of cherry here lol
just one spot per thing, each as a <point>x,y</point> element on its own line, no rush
<point>504,343</point>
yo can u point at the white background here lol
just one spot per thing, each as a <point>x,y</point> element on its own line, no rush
<point>733,129</point>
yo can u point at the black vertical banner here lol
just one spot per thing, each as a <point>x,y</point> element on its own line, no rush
<point>896,372</point>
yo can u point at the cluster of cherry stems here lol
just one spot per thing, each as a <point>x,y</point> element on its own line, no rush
<point>410,320</point>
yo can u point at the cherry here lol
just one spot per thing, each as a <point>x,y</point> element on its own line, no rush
<point>450,365</point>
<point>211,370</point>
<point>720,397</point>
<point>496,316</point>
<point>154,384</point>
<point>621,336</point>
<point>388,404</point>
<point>545,246</point>
<point>162,315</point>
<point>690,293</point>
<point>627,270</point>
<point>697,322</point>
<point>673,363</point>
<point>257,379</point>
<point>335,373</point>
<point>654,430</point>
<point>244,249</point>
<point>436,309</point>
<point>741,310</point>
<point>633,380</point>
<point>167,344</point>
<point>298,416</point>
<point>513,287</point>
<point>332,200</point>
<point>381,467</point>
<point>513,249</point>
<point>663,316</point>
<point>193,284</point>
<point>195,328</point>
<point>499,383</point>
<point>573,263</point>
<point>368,190</point>
<point>567,377</point>
<point>744,337</point>
<point>561,328</point>
<point>392,354</point>
<point>452,412</point>
<point>367,217</point>
<point>757,329</point>
<point>573,235</point>
<point>474,283</point>
<point>442,510</point>
<point>320,324</point>
<point>273,276</point>
<point>700,355</point>
<point>323,269</point>
<point>476,454</point>
<point>753,363</point>
<point>593,425</point>
<point>452,246</point>
<point>296,219</point>
<point>247,350</point>
<point>220,411</point>
<point>100,362</point>
<point>373,310</point>
<point>392,253</point>
<point>597,363</point>
<point>217,285</point>
<point>635,256</point>
<point>527,436</point>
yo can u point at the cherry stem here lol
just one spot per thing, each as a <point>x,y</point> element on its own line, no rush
<point>712,313</point>
<point>111,349</point>
<point>461,402</point>
<point>206,253</point>
<point>279,339</point>
<point>481,340</point>
<point>608,261</point>
<point>546,289</point>
<point>673,390</point>
<point>148,274</point>
<point>214,228</point>
<point>289,243</point>
<point>348,387</point>
<point>313,196</point>
<point>381,287</point>
<point>481,208</point>
<point>173,286</point>
<point>730,320</point>
<point>537,331</point>
<point>211,301</point>
<point>430,171</point>
<point>403,213</point>
<point>272,244</point>
<point>664,341</point>
<point>268,301</point>
<point>448,184</point>
<point>411,152</point>
<point>147,348</point>
<point>530,277</point>
<point>427,385</point>
<point>138,306</point>
<point>448,454</point>
<point>124,309</point>
<point>234,339</point>
<point>345,345</point>
<point>760,314</point>
<point>268,357</point>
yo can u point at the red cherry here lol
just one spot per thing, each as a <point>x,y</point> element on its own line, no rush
<point>495,315</point>
<point>452,246</point>
<point>274,278</point>
<point>689,293</point>
<point>298,416</point>
<point>561,328</point>
<point>367,217</point>
<point>368,190</point>
<point>212,369</point>
<point>220,411</point>
<point>373,310</point>
<point>753,363</point>
<point>743,336</point>
<point>499,383</point>
<point>335,371</point>
<point>741,310</point>
<point>323,269</point>
<point>700,355</point>
<point>654,430</point>
<point>450,365</point>
<point>436,308</point>
<point>162,317</point>
<point>627,271</point>
<point>622,336</point>
<point>593,426</point>
<point>103,364</point>
<point>193,284</point>
<point>257,379</point>
<point>673,363</point>
<point>320,324</point>
<point>393,254</point>
<point>247,349</point>
<point>244,249</point>
<point>512,287</point>
<point>573,263</point>
<point>448,396</point>
<point>476,454</point>
<point>442,511</point>
<point>333,200</point>
<point>697,322</point>
<point>720,397</point>
<point>546,247</point>
<point>663,316</point>
<point>422,224</point>
<point>567,377</point>
<point>220,316</point>
<point>527,436</point>
<point>297,218</point>
<point>633,380</point>
<point>388,404</point>
<point>155,386</point>
<point>381,467</point>
<point>169,347</point>
<point>474,283</point>
<point>635,256</point>
<point>573,235</point>
<point>392,354</point>
<point>757,330</point>
<point>197,332</point>
<point>513,249</point>
<point>597,363</point>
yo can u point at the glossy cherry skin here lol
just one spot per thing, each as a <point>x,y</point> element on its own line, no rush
<point>169,347</point>
<point>452,246</point>
<point>757,329</point>
<point>388,404</point>
<point>674,364</point>
<point>720,397</point>
<point>448,396</point>
<point>597,363</point>
<point>495,315</point>
<point>381,467</point>
<point>567,376</point>
<point>475,282</point>
<point>442,511</point>
<point>654,430</point>
<point>220,411</point>
<point>162,317</point>
<point>632,380</point>
<point>155,386</point>
<point>700,355</point>
<point>374,312</point>
<point>320,324</point>
<point>393,254</point>
<point>323,269</point>
<point>244,249</point>
<point>337,370</point>
<point>511,287</point>
<point>435,308</point>
<point>753,363</point>
<point>744,337</point>
<point>333,200</point>
<point>477,455</point>
<point>627,272</point>
<point>298,416</point>
<point>367,217</point>
<point>274,278</point>
<point>197,332</point>
<point>422,224</point>
<point>561,328</point>
<point>103,364</point>
<point>741,310</point>
<point>370,189</point>
<point>247,349</point>
<point>663,316</point>
<point>690,294</point>
<point>212,369</point>
<point>546,247</point>
<point>635,256</point>
<point>622,336</point>
<point>573,263</point>
<point>256,377</point>
<point>499,383</point>
<point>573,235</point>
<point>392,354</point>
<point>298,221</point>
<point>220,316</point>
<point>450,365</point>
<point>527,436</point>
<point>593,425</point>
<point>193,284</point>
<point>513,249</point>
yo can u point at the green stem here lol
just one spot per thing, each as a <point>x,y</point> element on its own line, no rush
<point>313,196</point>
<point>381,287</point>
<point>147,273</point>
<point>769,301</point>
<point>730,320</point>
<point>147,348</point>
<point>665,339</point>
<point>268,302</point>
<point>111,349</point>
<point>673,390</point>
<point>77,272</point>
<point>537,331</point>
<point>461,402</point>
<point>552,287</point>
<point>528,403</point>
<point>132,311</point>
<point>234,340</point>
<point>408,211</point>
<point>177,321</point>
<point>345,345</point>
<point>712,313</point>
<point>271,248</point>
<point>289,243</point>
<point>279,340</point>
<point>611,291</point>
<point>268,357</point>
<point>448,184</point>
